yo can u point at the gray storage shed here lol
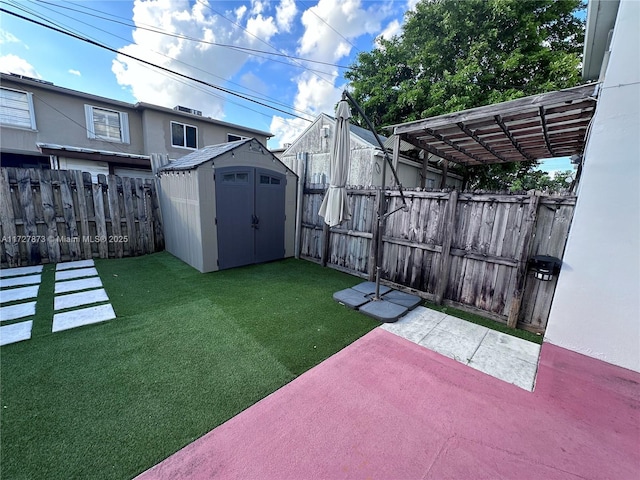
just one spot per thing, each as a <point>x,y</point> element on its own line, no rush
<point>228,205</point>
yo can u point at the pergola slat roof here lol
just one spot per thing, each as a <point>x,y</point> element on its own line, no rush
<point>548,125</point>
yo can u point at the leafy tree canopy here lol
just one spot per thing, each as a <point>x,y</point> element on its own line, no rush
<point>454,55</point>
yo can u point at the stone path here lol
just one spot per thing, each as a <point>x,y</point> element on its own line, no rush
<point>18,287</point>
<point>78,285</point>
<point>503,356</point>
<point>79,299</point>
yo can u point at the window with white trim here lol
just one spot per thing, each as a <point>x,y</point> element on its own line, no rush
<point>106,124</point>
<point>183,135</point>
<point>234,138</point>
<point>16,109</point>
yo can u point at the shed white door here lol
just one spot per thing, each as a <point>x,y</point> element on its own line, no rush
<point>250,204</point>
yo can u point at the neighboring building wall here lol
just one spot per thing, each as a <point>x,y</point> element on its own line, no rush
<point>62,117</point>
<point>366,160</point>
<point>157,131</point>
<point>596,307</point>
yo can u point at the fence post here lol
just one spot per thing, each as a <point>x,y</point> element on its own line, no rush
<point>526,234</point>
<point>373,249</point>
<point>326,234</point>
<point>445,256</point>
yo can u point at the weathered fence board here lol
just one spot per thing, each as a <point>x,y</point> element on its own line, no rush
<point>463,249</point>
<point>58,215</point>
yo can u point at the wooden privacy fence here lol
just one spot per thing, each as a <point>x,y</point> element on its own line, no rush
<point>59,215</point>
<point>465,250</point>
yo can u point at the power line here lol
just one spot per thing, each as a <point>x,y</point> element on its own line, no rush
<point>100,45</point>
<point>263,41</point>
<point>259,97</point>
<point>150,28</point>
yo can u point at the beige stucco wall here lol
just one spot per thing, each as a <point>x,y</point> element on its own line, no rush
<point>157,132</point>
<point>68,127</point>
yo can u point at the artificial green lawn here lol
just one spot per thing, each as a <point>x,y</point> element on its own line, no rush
<point>187,352</point>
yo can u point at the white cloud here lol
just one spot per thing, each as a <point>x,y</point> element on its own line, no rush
<point>285,14</point>
<point>393,29</point>
<point>352,18</point>
<point>411,4</point>
<point>13,64</point>
<point>261,27</point>
<point>210,63</point>
<point>75,72</point>
<point>345,16</point>
<point>8,37</point>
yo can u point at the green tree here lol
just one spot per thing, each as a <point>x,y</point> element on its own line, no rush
<point>453,55</point>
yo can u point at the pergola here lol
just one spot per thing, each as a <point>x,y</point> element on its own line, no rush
<point>553,124</point>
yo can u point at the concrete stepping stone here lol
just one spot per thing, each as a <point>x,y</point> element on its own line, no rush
<point>19,281</point>
<point>77,264</point>
<point>77,273</point>
<point>14,272</point>
<point>75,285</point>
<point>84,316</point>
<point>16,332</point>
<point>22,293</point>
<point>81,298</point>
<point>21,310</point>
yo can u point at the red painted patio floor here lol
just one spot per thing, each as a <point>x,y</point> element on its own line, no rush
<point>386,408</point>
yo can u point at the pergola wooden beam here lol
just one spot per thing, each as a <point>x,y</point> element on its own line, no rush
<point>529,128</point>
<point>515,143</point>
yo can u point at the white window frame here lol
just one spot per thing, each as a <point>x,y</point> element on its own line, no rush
<point>184,135</point>
<point>32,113</point>
<point>240,137</point>
<point>124,125</point>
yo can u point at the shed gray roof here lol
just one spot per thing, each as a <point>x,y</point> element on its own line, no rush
<point>205,154</point>
<point>366,135</point>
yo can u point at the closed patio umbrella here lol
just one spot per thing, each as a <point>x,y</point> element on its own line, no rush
<point>335,205</point>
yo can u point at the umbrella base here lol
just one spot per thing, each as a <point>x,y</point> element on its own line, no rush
<point>351,298</point>
<point>388,309</point>
<point>383,311</point>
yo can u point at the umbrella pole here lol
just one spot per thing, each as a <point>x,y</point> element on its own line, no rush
<point>381,222</point>
<point>381,213</point>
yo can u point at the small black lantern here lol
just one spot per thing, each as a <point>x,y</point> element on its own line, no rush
<point>545,267</point>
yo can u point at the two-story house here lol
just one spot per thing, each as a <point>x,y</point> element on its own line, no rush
<point>46,126</point>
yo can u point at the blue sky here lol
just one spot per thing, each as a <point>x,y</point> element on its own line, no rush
<point>327,34</point>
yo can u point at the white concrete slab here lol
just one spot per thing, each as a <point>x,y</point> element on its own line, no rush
<point>16,332</point>
<point>21,293</point>
<point>20,310</point>
<point>81,298</point>
<point>18,281</point>
<point>84,316</point>
<point>506,365</point>
<point>76,264</point>
<point>77,273</point>
<point>513,346</point>
<point>460,347</point>
<point>416,324</point>
<point>14,272</point>
<point>75,285</point>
